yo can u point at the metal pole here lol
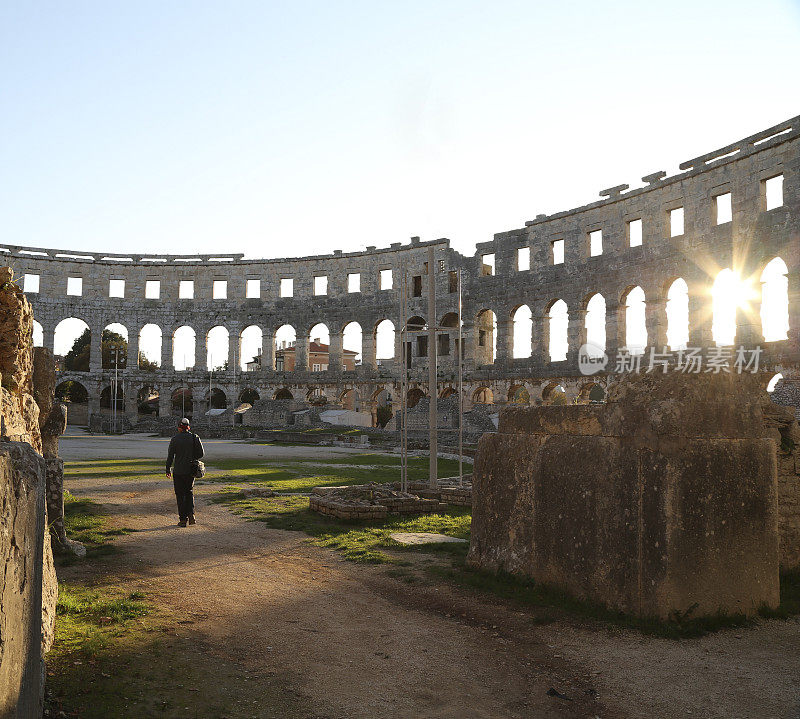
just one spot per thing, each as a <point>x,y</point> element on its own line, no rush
<point>433,471</point>
<point>402,417</point>
<point>460,391</point>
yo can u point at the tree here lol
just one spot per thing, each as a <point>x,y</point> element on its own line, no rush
<point>77,359</point>
<point>146,365</point>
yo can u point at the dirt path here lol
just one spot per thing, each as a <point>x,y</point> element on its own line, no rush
<point>357,643</point>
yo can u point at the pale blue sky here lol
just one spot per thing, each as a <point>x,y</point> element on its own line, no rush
<point>297,128</point>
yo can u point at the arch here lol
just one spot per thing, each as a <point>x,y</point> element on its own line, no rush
<point>595,325</point>
<point>285,343</point>
<point>416,324</point>
<point>72,340</point>
<point>592,393</point>
<point>635,321</point>
<point>775,301</point>
<point>106,398</point>
<point>217,399</point>
<point>114,346</point>
<point>150,346</point>
<point>181,402</point>
<point>72,391</point>
<point>522,320</point>
<point>447,392</point>
<point>319,342</point>
<point>726,297</point>
<point>184,342</point>
<point>414,395</point>
<point>38,334</point>
<point>554,394</point>
<point>483,395</point>
<point>773,383</point>
<point>518,394</point>
<point>678,314</point>
<point>349,399</point>
<point>558,339</point>
<point>147,401</point>
<point>218,349</point>
<point>352,341</point>
<point>249,396</point>
<point>251,341</point>
<point>384,340</point>
<point>283,393</point>
<point>486,328</point>
<point>450,320</point>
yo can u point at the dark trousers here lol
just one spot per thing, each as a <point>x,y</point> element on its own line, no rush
<point>183,484</point>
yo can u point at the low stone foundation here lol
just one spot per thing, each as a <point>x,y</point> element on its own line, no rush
<point>369,501</point>
<point>664,500</point>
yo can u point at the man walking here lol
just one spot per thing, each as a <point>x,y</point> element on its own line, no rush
<point>184,448</point>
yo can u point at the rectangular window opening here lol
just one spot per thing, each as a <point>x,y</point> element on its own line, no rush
<point>422,346</point>
<point>676,222</point>
<point>487,265</point>
<point>116,288</point>
<point>452,282</point>
<point>416,290</point>
<point>724,210</point>
<point>443,346</point>
<point>75,286</point>
<point>386,279</point>
<point>354,282</point>
<point>558,252</point>
<point>595,243</point>
<point>253,289</point>
<point>523,259</point>
<point>634,233</point>
<point>152,289</point>
<point>31,284</point>
<point>219,290</point>
<point>321,285</point>
<point>186,290</point>
<point>287,287</point>
<point>773,192</point>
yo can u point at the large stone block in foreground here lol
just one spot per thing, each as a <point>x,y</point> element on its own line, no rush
<point>662,500</point>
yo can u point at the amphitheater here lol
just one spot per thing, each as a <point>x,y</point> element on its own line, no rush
<point>643,259</point>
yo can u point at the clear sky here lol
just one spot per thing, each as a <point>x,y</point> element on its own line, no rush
<point>284,129</point>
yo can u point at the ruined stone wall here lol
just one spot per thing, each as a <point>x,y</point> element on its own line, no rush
<point>753,237</point>
<point>28,592</point>
<point>663,500</point>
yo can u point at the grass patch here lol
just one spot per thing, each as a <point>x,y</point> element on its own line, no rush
<point>90,607</point>
<point>359,541</point>
<point>86,522</point>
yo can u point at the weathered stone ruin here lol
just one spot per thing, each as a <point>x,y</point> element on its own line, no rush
<point>663,500</point>
<point>369,501</point>
<point>29,588</point>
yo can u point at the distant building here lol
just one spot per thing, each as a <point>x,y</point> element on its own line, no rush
<point>318,358</point>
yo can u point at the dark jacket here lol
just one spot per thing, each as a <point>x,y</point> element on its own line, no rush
<point>184,448</point>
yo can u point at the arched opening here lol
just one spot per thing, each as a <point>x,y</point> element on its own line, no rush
<point>349,399</point>
<point>316,397</point>
<point>217,349</point>
<point>283,393</point>
<point>558,340</point>
<point>447,392</point>
<point>416,324</point>
<point>522,320</point>
<point>384,340</point>
<point>38,335</point>
<point>382,403</point>
<point>635,322</point>
<point>554,394</point>
<point>773,383</point>
<point>518,394</point>
<point>72,341</point>
<point>182,402</point>
<point>592,393</point>
<point>217,399</point>
<point>415,394</point>
<point>486,327</point>
<point>319,341</point>
<point>249,396</point>
<point>678,315</point>
<point>147,402</point>
<point>352,345</point>
<point>150,343</point>
<point>285,345</point>
<point>450,320</point>
<point>250,346</point>
<point>483,395</point>
<point>596,325</point>
<point>183,348</point>
<point>114,347</point>
<point>775,301</point>
<point>76,397</point>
